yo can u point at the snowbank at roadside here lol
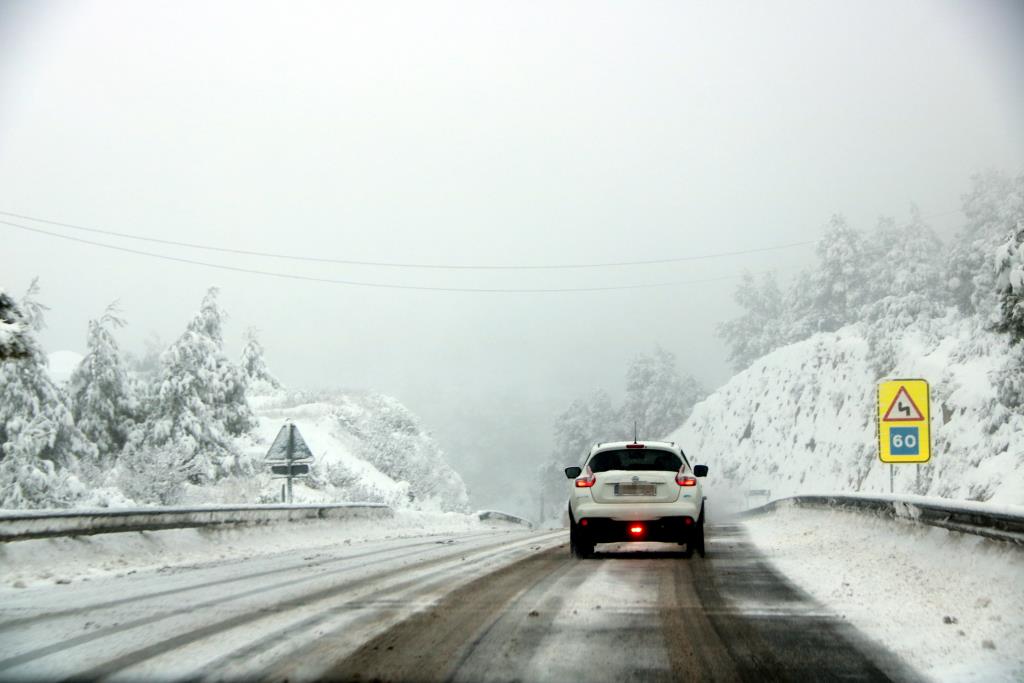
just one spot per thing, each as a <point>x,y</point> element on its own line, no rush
<point>65,560</point>
<point>908,499</point>
<point>950,604</point>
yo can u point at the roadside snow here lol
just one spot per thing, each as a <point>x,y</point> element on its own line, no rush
<point>951,604</point>
<point>936,501</point>
<point>66,560</point>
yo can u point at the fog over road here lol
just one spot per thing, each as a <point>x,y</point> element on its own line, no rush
<point>485,606</point>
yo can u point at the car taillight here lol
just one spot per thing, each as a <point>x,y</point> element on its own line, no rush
<point>685,479</point>
<point>636,529</point>
<point>587,480</point>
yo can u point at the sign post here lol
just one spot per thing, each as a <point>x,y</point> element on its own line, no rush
<point>904,429</point>
<point>289,457</point>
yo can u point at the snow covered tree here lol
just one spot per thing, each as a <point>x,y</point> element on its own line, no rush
<point>394,441</point>
<point>12,333</point>
<point>658,398</point>
<point>906,277</point>
<point>761,328</point>
<point>798,321</point>
<point>154,475</point>
<point>102,396</point>
<point>839,284</point>
<point>226,383</point>
<point>1009,263</point>
<point>255,367</point>
<point>199,402</point>
<point>906,261</point>
<point>992,208</point>
<point>582,424</point>
<point>40,446</point>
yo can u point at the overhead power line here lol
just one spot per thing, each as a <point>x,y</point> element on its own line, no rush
<point>381,285</point>
<point>377,285</point>
<point>425,266</point>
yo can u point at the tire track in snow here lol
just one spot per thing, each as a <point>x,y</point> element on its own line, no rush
<point>268,610</point>
<point>624,615</point>
<point>382,609</point>
<point>299,564</point>
<point>383,556</point>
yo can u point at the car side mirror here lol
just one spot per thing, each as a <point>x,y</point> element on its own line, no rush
<point>700,470</point>
<point>573,472</point>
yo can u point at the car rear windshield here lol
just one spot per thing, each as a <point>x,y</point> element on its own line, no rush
<point>635,459</point>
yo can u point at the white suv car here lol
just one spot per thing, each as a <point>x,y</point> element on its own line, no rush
<point>636,491</point>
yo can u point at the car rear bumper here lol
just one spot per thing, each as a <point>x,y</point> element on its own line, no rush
<point>636,512</point>
<point>664,530</point>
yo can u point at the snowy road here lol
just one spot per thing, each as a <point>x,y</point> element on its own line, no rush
<point>497,605</point>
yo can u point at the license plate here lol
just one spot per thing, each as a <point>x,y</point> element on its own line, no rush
<point>635,489</point>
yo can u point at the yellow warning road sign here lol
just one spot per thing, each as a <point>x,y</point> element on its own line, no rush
<point>904,433</point>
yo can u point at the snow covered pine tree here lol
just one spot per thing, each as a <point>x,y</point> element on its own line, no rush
<point>1009,269</point>
<point>260,379</point>
<point>657,396</point>
<point>12,332</point>
<point>40,446</point>
<point>199,402</point>
<point>990,210</point>
<point>839,284</point>
<point>102,396</point>
<point>761,328</point>
<point>905,273</point>
<point>1009,272</point>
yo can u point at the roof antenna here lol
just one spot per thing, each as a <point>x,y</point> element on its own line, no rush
<point>634,431</point>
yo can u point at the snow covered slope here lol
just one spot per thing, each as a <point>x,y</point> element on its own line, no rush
<point>368,447</point>
<point>801,420</point>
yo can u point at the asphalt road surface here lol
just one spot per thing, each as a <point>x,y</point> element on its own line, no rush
<point>496,606</point>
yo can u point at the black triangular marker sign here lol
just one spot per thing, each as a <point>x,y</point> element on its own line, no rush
<point>279,449</point>
<point>903,408</point>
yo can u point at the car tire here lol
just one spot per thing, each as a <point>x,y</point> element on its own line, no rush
<point>698,535</point>
<point>579,545</point>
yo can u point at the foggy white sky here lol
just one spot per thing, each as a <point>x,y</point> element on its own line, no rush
<point>489,133</point>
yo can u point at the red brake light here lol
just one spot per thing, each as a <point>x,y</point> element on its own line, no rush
<point>685,479</point>
<point>587,480</point>
<point>636,529</point>
<point>635,445</point>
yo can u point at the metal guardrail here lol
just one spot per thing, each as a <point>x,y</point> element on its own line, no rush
<point>996,525</point>
<point>33,524</point>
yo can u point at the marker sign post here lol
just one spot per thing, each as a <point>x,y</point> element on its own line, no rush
<point>904,434</point>
<point>289,456</point>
